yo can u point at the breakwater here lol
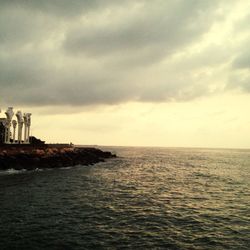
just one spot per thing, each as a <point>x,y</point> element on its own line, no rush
<point>31,158</point>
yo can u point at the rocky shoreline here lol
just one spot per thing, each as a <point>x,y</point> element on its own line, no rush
<point>50,157</point>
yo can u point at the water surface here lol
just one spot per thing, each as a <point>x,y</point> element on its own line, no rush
<point>147,198</point>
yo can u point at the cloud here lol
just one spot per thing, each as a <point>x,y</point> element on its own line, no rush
<point>239,80</point>
<point>239,77</point>
<point>83,53</point>
<point>163,26</point>
<point>242,61</point>
<point>60,8</point>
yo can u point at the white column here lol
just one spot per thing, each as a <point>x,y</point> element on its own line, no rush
<point>20,125</point>
<point>14,123</point>
<point>28,134</point>
<point>27,124</point>
<point>25,133</point>
<point>8,134</point>
<point>25,127</point>
<point>9,114</point>
<point>5,132</point>
<point>20,136</point>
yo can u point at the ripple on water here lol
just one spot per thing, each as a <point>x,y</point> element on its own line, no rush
<point>148,198</point>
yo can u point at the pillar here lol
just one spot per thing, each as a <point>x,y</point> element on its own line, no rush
<point>20,126</point>
<point>14,123</point>
<point>27,123</point>
<point>5,132</point>
<point>28,127</point>
<point>9,114</point>
<point>25,128</point>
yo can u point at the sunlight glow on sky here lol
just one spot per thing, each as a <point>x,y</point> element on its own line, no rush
<point>141,73</point>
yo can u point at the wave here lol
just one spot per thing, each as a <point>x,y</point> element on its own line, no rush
<point>12,171</point>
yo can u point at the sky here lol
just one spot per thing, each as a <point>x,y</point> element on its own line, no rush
<point>173,73</point>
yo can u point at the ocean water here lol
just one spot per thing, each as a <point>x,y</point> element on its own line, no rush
<point>147,198</point>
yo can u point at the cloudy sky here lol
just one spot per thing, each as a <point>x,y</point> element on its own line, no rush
<point>134,72</point>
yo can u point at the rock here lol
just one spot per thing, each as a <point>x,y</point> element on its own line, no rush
<point>33,158</point>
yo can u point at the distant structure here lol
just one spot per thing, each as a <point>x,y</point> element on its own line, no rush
<point>8,127</point>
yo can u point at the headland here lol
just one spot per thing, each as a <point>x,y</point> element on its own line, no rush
<point>31,157</point>
<point>28,152</point>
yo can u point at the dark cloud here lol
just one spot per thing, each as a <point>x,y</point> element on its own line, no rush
<point>17,28</point>
<point>33,81</point>
<point>107,52</point>
<point>165,26</point>
<point>239,77</point>
<point>61,8</point>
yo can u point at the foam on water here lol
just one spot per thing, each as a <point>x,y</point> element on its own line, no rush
<point>12,171</point>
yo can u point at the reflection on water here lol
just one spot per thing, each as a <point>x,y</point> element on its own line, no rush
<point>147,198</point>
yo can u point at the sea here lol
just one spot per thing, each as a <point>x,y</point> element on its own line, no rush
<point>146,198</point>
